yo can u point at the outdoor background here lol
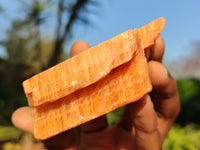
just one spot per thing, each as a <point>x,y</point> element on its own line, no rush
<point>37,34</point>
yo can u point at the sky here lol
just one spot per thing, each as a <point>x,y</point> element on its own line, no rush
<point>111,17</point>
<point>116,16</point>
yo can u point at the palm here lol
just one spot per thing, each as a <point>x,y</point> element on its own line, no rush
<point>110,138</point>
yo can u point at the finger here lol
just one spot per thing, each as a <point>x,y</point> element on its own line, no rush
<point>157,50</point>
<point>154,53</point>
<point>22,119</point>
<point>147,53</point>
<point>78,47</point>
<point>164,96</point>
<point>165,90</point>
<point>65,140</point>
<point>144,120</point>
<point>95,125</point>
<point>126,122</point>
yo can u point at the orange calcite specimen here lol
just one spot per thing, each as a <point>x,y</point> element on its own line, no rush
<point>92,83</point>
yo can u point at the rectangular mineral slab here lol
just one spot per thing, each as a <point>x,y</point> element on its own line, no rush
<point>92,83</point>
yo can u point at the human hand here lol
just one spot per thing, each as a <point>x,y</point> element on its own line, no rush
<point>144,125</point>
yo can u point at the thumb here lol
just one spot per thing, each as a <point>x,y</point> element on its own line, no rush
<point>22,119</point>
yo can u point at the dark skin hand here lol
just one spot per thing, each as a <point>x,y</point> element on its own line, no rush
<point>144,125</point>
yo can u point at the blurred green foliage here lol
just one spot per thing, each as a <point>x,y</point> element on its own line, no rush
<point>9,133</point>
<point>183,138</point>
<point>189,92</point>
<point>115,116</point>
<point>12,146</point>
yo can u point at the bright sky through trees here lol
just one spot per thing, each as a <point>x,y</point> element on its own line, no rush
<point>115,16</point>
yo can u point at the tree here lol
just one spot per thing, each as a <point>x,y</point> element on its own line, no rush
<point>28,51</point>
<point>189,66</point>
<point>63,27</point>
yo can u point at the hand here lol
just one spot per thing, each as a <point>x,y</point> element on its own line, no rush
<point>144,125</point>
